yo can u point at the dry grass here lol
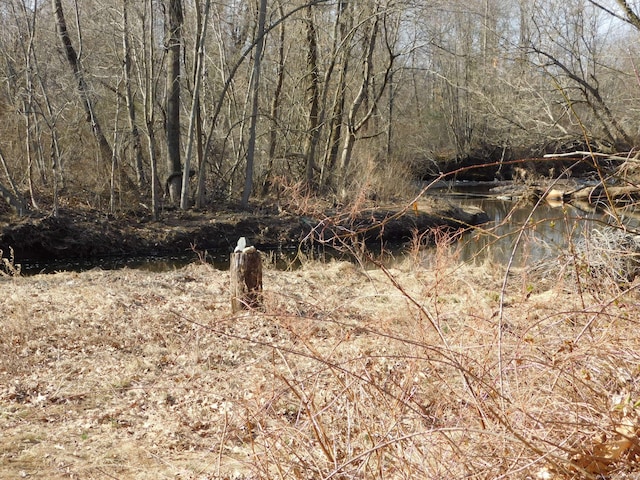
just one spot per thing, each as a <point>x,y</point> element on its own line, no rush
<point>8,266</point>
<point>429,370</point>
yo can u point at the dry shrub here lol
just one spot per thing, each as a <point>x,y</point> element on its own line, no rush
<point>297,198</point>
<point>436,247</point>
<point>370,182</point>
<point>8,266</point>
<point>378,180</point>
<point>448,387</point>
<point>609,255</point>
<point>428,369</point>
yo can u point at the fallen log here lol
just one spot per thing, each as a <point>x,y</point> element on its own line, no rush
<point>602,193</point>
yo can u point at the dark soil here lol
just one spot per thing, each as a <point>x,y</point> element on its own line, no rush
<point>93,234</point>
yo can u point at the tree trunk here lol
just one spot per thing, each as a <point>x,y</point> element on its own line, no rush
<point>149,96</point>
<point>369,92</point>
<point>275,110</point>
<point>83,90</point>
<point>200,153</point>
<point>173,26</point>
<point>312,97</point>
<point>195,108</point>
<point>367,72</point>
<point>30,143</point>
<point>114,157</point>
<point>251,147</point>
<point>131,109</point>
<point>29,111</point>
<point>327,176</point>
<point>48,114</point>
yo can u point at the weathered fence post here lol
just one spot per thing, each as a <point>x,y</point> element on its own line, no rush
<point>245,277</point>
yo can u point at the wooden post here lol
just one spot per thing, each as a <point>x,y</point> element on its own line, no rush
<point>246,279</point>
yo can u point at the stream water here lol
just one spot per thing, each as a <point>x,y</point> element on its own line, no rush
<point>520,232</point>
<point>220,260</point>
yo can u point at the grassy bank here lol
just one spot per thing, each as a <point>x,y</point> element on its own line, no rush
<point>430,369</point>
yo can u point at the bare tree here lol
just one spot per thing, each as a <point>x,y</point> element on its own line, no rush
<point>148,75</point>
<point>313,97</point>
<point>57,176</point>
<point>199,72</point>
<point>255,83</point>
<point>571,50</point>
<point>274,115</point>
<point>83,89</point>
<point>195,106</point>
<point>366,93</point>
<point>341,53</point>
<point>173,30</point>
<point>131,109</point>
<point>31,119</point>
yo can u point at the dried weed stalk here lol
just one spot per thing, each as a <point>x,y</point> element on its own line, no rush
<point>9,267</point>
<point>538,387</point>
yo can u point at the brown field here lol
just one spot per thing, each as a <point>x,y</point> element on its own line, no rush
<point>428,370</point>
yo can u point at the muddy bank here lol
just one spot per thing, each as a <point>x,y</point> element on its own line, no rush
<point>74,235</point>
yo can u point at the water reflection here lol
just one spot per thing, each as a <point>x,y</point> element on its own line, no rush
<point>528,233</point>
<point>521,232</point>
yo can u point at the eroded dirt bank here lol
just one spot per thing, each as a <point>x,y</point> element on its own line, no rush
<point>91,234</point>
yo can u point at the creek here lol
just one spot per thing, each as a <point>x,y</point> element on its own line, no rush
<point>521,232</point>
<point>220,260</point>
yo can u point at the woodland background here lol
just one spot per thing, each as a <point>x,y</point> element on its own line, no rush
<point>125,105</point>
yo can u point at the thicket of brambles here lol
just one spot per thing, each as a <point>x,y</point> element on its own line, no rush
<point>122,103</point>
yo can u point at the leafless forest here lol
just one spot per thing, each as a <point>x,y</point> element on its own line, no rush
<point>130,104</point>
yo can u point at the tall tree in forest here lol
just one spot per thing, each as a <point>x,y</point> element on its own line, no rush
<point>32,122</point>
<point>149,81</point>
<point>366,92</point>
<point>255,83</point>
<point>199,72</point>
<point>83,89</point>
<point>313,97</point>
<point>131,109</point>
<point>194,119</point>
<point>353,123</point>
<point>173,31</point>
<point>274,114</point>
<point>46,111</point>
<point>341,53</point>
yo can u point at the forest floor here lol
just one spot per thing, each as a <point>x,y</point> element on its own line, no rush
<point>430,368</point>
